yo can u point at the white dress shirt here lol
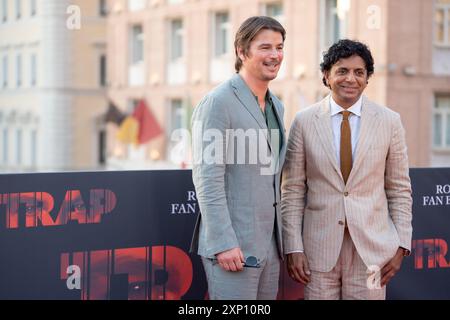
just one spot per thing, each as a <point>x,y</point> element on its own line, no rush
<point>355,123</point>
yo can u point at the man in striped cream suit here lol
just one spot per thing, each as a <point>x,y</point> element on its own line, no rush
<point>346,193</point>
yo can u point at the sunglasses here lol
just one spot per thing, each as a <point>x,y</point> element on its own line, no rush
<point>250,262</point>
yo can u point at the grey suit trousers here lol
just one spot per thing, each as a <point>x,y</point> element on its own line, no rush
<point>249,284</point>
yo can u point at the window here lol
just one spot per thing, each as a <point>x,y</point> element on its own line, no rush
<point>274,10</point>
<point>19,70</point>
<point>34,146</point>
<point>334,20</point>
<point>19,146</point>
<point>33,70</point>
<point>221,34</point>
<point>178,115</point>
<point>176,66</point>
<point>221,62</point>
<point>102,66</point>
<point>136,69</point>
<point>4,10</point>
<point>177,148</point>
<point>441,122</point>
<point>18,9</point>
<point>136,5</point>
<point>442,22</point>
<point>137,44</point>
<point>176,39</point>
<point>102,147</point>
<point>5,146</point>
<point>33,8</point>
<point>103,8</point>
<point>5,72</point>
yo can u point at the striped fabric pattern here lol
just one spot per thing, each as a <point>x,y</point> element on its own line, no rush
<point>376,201</point>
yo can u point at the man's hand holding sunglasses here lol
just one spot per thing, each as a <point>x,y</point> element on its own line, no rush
<point>233,260</point>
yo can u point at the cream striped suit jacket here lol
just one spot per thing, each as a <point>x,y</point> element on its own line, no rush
<point>376,201</point>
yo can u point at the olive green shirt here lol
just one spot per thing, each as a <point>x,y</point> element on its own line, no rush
<point>271,119</point>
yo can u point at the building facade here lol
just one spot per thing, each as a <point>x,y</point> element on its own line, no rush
<point>171,52</point>
<point>52,84</point>
<point>55,79</point>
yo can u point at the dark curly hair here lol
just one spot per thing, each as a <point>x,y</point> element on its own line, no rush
<point>344,49</point>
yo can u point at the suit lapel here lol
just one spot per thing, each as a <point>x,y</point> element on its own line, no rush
<point>370,121</point>
<point>279,115</point>
<point>247,99</point>
<point>322,124</point>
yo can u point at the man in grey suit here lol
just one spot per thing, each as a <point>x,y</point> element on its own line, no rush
<point>238,150</point>
<point>346,192</point>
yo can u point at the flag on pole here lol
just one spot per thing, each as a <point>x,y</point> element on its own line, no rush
<point>140,127</point>
<point>148,125</point>
<point>114,114</point>
<point>128,131</point>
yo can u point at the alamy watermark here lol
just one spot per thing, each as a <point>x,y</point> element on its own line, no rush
<point>73,22</point>
<point>229,146</point>
<point>74,280</point>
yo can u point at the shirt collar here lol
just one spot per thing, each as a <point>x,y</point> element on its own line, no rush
<point>268,96</point>
<point>355,109</point>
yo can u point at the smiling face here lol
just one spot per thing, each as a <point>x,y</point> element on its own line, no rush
<point>347,80</point>
<point>264,56</point>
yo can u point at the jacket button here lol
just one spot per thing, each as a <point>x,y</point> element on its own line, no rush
<point>275,204</point>
<point>345,193</point>
<point>341,222</point>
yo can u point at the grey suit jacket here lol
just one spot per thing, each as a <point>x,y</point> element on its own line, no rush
<point>376,201</point>
<point>237,200</point>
